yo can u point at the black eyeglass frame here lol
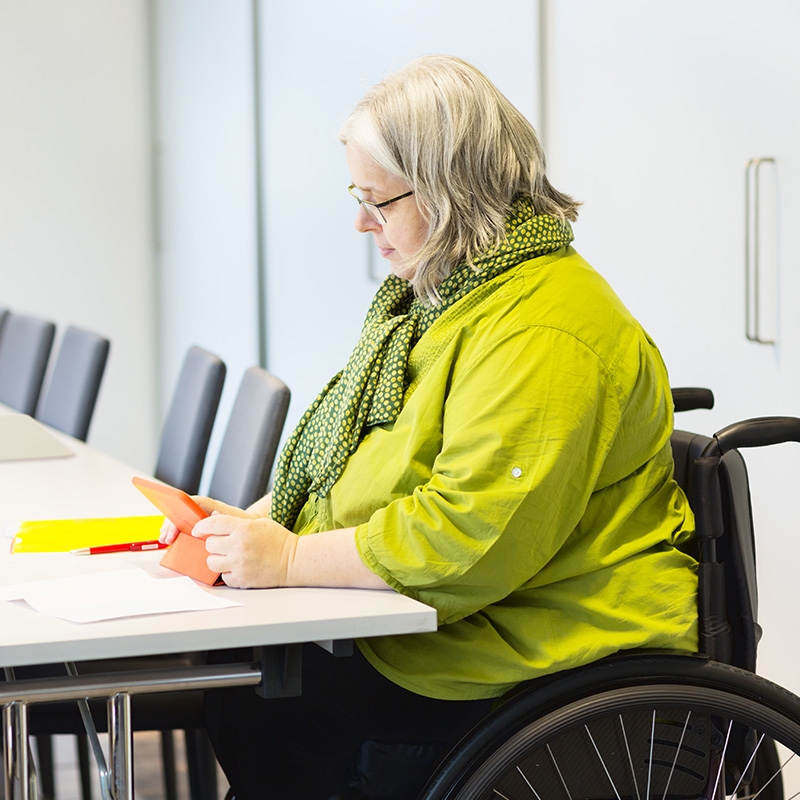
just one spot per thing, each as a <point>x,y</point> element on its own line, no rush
<point>377,206</point>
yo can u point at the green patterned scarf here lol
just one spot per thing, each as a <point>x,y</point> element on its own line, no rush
<point>370,389</point>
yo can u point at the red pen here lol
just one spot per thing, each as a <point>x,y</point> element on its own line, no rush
<point>127,547</point>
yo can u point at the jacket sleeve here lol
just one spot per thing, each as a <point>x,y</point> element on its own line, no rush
<point>526,427</point>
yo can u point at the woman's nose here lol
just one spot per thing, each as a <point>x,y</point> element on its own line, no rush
<point>365,222</point>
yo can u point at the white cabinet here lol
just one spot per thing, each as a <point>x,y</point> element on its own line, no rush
<point>655,110</point>
<point>318,58</point>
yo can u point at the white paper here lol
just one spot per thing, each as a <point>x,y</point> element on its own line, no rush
<point>114,594</point>
<point>100,581</point>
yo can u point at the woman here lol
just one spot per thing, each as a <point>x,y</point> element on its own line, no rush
<point>497,447</point>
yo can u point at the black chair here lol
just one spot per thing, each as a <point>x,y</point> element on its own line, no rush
<point>67,405</point>
<point>250,442</point>
<point>69,398</point>
<point>181,457</point>
<point>240,477</point>
<point>657,724</point>
<point>24,349</point>
<point>189,421</point>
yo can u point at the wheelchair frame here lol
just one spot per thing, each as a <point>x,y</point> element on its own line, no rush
<point>660,725</point>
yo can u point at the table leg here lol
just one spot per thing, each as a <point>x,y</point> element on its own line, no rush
<point>116,782</point>
<point>120,744</point>
<point>15,751</point>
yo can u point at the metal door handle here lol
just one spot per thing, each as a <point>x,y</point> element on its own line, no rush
<point>752,279</point>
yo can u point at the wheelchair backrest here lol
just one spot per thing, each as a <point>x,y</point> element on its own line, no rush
<point>728,592</point>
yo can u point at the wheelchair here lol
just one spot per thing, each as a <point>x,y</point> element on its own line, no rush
<point>658,725</point>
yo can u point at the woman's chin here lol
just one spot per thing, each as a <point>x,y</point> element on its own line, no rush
<point>401,270</point>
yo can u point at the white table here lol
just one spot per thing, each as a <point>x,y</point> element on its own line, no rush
<point>90,484</point>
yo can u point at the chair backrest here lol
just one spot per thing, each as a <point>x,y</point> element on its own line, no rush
<point>728,592</point>
<point>189,420</point>
<point>71,393</point>
<point>713,474</point>
<point>24,349</point>
<point>3,315</point>
<point>242,470</point>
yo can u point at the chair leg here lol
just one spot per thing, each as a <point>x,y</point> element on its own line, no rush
<point>47,781</point>
<point>168,765</point>
<point>84,765</point>
<point>202,765</point>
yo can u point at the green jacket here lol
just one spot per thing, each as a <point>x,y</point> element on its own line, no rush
<point>525,491</point>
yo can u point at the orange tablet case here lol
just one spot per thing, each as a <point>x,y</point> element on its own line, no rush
<point>186,554</point>
<point>174,504</point>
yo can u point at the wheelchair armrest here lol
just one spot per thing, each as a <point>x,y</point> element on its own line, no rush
<point>689,398</point>
<point>757,432</point>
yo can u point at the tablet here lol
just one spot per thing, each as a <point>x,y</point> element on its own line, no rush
<point>174,504</point>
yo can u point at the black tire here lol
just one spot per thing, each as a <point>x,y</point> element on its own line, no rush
<point>632,727</point>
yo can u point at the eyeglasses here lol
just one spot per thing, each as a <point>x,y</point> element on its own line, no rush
<point>374,209</point>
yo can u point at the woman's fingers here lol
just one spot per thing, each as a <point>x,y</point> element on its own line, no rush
<point>250,553</point>
<point>169,532</point>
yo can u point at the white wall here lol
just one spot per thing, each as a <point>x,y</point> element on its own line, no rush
<point>313,60</point>
<point>77,203</point>
<point>75,193</point>
<point>318,60</point>
<point>207,231</point>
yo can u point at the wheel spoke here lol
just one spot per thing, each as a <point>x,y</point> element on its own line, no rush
<point>717,737</point>
<point>630,757</point>
<point>677,754</point>
<point>747,767</point>
<point>560,775</point>
<point>602,762</point>
<point>722,759</point>
<point>525,778</point>
<point>775,775</point>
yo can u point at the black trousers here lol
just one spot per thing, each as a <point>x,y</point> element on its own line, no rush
<point>351,734</point>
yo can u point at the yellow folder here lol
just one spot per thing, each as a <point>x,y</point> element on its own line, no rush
<point>63,535</point>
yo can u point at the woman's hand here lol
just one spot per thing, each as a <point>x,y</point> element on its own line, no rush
<point>169,531</point>
<point>250,553</point>
<point>257,553</point>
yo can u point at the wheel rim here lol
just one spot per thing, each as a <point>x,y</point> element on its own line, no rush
<point>641,742</point>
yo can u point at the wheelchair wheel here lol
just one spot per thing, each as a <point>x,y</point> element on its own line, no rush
<point>681,728</point>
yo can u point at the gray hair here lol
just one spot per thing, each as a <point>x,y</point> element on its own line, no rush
<point>465,150</point>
